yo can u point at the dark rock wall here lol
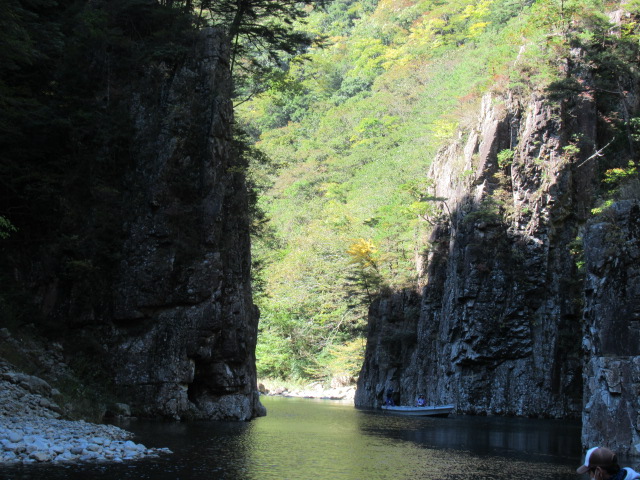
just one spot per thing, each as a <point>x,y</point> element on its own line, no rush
<point>184,327</point>
<point>611,330</point>
<point>156,307</point>
<point>504,322</point>
<point>495,327</point>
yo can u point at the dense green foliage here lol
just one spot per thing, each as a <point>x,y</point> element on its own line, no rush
<point>351,132</point>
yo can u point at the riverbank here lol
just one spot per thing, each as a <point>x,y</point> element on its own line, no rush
<point>344,393</point>
<point>36,440</point>
<point>33,413</point>
<point>32,431</point>
<point>32,428</point>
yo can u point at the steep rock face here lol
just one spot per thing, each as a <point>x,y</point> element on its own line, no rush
<point>504,322</point>
<point>184,326</point>
<point>141,271</point>
<point>495,328</point>
<point>611,413</point>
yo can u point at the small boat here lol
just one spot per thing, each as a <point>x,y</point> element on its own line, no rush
<point>433,410</point>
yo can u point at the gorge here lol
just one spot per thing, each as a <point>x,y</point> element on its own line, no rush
<point>128,252</point>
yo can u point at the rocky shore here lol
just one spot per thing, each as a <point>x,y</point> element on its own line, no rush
<point>34,440</point>
<point>32,429</point>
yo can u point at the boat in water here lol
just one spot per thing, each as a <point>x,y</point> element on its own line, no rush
<point>433,410</point>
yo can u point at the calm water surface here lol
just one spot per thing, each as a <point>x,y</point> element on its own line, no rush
<point>326,440</point>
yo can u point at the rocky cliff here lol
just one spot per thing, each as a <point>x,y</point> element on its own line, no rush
<point>611,328</point>
<point>491,329</point>
<point>504,321</point>
<point>184,325</point>
<point>150,295</point>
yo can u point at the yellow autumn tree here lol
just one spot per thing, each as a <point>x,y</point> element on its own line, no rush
<point>365,280</point>
<point>362,253</point>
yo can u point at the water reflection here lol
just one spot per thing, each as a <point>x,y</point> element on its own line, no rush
<point>489,446</point>
<point>482,435</point>
<point>307,439</point>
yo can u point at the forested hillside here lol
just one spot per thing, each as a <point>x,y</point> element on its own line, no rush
<point>350,132</point>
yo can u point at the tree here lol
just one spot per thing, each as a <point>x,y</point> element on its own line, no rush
<point>366,275</point>
<point>262,34</point>
<point>6,228</point>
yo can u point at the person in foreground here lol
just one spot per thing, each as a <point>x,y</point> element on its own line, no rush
<point>602,464</point>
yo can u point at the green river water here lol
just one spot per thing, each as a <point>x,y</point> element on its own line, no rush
<point>328,440</point>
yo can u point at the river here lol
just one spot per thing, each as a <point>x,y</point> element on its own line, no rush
<point>303,439</point>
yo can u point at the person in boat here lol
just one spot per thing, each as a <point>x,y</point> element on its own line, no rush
<point>602,464</point>
<point>421,401</point>
<point>389,398</point>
